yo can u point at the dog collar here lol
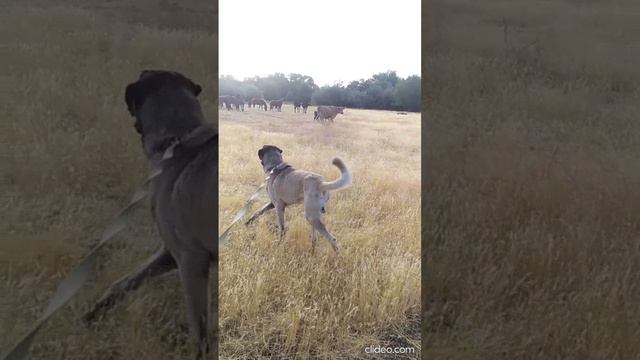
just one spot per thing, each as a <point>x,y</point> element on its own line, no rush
<point>198,137</point>
<point>276,170</point>
<point>191,140</point>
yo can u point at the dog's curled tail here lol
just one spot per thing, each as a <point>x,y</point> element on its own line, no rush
<point>344,180</point>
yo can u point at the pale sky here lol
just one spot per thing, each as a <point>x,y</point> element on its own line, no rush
<point>329,40</point>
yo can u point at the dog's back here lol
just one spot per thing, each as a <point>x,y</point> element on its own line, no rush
<point>290,185</point>
<point>183,195</point>
<point>177,207</point>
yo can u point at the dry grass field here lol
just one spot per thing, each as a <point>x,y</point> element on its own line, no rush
<point>71,159</point>
<point>531,151</point>
<point>279,300</point>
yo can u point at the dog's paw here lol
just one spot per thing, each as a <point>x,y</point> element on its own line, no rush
<point>89,318</point>
<point>273,228</point>
<point>335,249</point>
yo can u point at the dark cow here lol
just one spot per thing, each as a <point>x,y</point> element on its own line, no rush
<point>254,101</point>
<point>238,103</point>
<point>224,100</point>
<point>276,104</point>
<point>260,103</point>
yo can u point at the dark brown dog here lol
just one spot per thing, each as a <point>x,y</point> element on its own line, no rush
<point>184,198</point>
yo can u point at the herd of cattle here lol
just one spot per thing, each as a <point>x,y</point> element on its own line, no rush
<point>236,102</point>
<point>322,114</point>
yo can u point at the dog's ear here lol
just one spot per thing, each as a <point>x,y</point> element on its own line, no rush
<point>197,89</point>
<point>260,153</point>
<point>145,73</point>
<point>131,95</point>
<point>279,150</point>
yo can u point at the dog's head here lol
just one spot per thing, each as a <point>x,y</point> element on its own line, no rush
<point>152,82</point>
<point>270,157</point>
<point>165,105</point>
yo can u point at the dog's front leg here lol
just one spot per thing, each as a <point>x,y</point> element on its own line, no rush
<point>158,264</point>
<point>194,272</point>
<point>280,212</point>
<point>258,213</point>
<point>314,239</point>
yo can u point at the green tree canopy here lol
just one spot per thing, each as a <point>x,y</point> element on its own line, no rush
<point>383,91</point>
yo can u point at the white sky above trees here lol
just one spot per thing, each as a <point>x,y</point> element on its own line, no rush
<point>329,40</point>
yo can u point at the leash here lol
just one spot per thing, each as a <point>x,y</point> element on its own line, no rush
<point>247,205</point>
<point>84,271</point>
<point>240,214</point>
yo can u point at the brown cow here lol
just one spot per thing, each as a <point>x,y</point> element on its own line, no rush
<point>277,104</point>
<point>327,113</point>
<point>231,102</point>
<point>238,103</point>
<point>260,103</point>
<point>224,100</point>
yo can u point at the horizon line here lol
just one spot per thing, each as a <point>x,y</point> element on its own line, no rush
<point>335,82</point>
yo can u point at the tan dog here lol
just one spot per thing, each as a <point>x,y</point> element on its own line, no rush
<point>184,198</point>
<point>288,186</point>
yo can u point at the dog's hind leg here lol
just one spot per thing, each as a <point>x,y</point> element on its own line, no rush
<point>280,212</point>
<point>258,213</point>
<point>318,225</point>
<point>194,272</point>
<point>158,264</point>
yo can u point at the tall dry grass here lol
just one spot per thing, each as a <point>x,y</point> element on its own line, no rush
<point>280,301</point>
<point>71,159</point>
<point>533,217</point>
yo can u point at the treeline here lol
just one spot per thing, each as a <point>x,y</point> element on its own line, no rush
<point>383,91</point>
<point>295,87</point>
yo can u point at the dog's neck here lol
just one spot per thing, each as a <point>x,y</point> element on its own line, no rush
<point>274,171</point>
<point>191,140</point>
<point>161,146</point>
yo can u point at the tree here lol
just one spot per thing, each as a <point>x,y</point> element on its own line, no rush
<point>274,86</point>
<point>228,85</point>
<point>301,87</point>
<point>330,95</point>
<point>386,79</point>
<point>408,93</point>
